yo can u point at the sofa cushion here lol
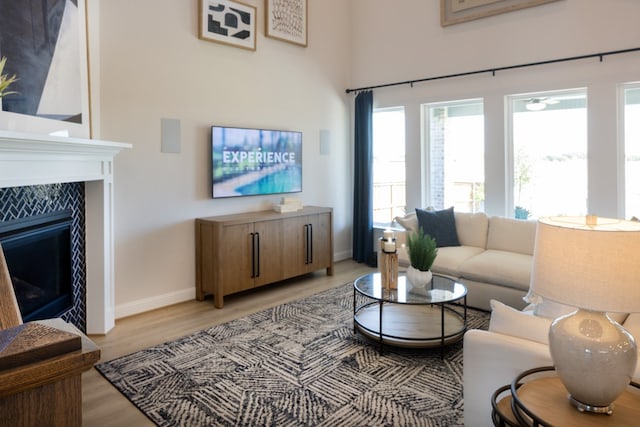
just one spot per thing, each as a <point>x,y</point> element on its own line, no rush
<point>500,268</point>
<point>511,235</point>
<point>409,222</point>
<point>509,321</point>
<point>451,258</point>
<point>441,225</point>
<point>472,228</point>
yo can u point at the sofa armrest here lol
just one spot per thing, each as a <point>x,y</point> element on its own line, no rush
<point>492,360</point>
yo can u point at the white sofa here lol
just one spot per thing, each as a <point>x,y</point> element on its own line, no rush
<point>516,341</point>
<point>493,260</point>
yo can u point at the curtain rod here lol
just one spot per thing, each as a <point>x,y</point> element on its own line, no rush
<point>493,71</point>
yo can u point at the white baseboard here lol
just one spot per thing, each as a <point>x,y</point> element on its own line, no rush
<point>188,294</point>
<point>152,303</point>
<point>341,256</point>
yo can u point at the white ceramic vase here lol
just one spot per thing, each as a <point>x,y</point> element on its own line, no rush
<point>418,278</point>
<point>594,357</point>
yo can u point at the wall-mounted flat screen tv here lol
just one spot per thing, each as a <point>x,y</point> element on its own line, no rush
<point>249,162</point>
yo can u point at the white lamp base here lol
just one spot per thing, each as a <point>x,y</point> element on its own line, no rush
<point>594,357</point>
<point>583,407</point>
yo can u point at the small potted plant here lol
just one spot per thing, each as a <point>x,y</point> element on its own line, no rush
<point>5,80</point>
<point>422,251</point>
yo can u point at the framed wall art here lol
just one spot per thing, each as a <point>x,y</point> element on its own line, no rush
<point>228,22</point>
<point>286,20</point>
<point>457,11</point>
<point>46,48</point>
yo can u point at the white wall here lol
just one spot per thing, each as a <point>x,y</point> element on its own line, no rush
<point>406,42</point>
<point>147,63</point>
<point>151,65</point>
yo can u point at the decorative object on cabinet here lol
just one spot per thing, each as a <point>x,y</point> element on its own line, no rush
<point>288,204</point>
<point>228,22</point>
<point>286,20</point>
<point>238,252</point>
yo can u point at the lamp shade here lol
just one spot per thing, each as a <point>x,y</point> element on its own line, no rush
<point>588,262</point>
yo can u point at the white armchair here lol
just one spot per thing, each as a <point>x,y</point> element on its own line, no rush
<point>516,341</point>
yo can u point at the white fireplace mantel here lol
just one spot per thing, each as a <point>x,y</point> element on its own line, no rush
<point>33,159</point>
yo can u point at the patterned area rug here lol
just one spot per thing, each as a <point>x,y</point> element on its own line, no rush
<point>298,364</point>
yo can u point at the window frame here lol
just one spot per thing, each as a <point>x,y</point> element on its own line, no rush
<point>509,171</point>
<point>622,146</point>
<point>397,108</point>
<point>425,114</point>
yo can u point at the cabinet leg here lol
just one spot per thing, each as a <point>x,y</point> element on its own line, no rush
<point>199,294</point>
<point>218,301</point>
<point>330,270</point>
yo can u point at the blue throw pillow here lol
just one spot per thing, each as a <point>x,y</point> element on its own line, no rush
<point>441,225</point>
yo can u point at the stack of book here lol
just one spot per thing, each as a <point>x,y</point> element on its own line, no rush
<point>288,204</point>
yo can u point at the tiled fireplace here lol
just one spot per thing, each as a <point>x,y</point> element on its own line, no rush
<point>42,231</point>
<point>40,175</point>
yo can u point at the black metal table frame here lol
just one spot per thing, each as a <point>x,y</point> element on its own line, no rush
<point>518,408</point>
<point>381,301</point>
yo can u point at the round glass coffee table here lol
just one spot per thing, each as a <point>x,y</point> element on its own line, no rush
<point>433,316</point>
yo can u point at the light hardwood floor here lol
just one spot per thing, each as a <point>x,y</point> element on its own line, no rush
<point>103,405</point>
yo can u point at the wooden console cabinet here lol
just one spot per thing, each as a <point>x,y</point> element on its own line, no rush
<point>243,251</point>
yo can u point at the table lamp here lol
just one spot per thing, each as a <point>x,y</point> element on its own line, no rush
<point>593,264</point>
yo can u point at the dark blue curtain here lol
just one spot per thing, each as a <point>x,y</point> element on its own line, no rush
<point>363,179</point>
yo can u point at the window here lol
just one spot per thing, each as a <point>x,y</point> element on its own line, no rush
<point>632,150</point>
<point>389,189</point>
<point>549,154</point>
<point>455,137</point>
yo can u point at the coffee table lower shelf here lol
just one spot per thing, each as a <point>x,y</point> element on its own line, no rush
<point>410,326</point>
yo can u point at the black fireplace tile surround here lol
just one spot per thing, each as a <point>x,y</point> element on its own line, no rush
<point>27,201</point>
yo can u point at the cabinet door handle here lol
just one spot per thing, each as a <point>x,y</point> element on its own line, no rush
<point>256,252</point>
<point>253,255</point>
<point>308,243</point>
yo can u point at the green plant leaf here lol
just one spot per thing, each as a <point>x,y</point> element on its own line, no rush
<point>422,250</point>
<point>5,80</point>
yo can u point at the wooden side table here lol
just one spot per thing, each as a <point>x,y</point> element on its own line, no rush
<point>47,392</point>
<point>537,397</point>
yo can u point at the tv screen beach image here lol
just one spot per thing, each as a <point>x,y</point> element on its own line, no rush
<point>248,162</point>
